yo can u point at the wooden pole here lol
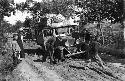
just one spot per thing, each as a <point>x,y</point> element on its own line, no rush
<point>69,55</point>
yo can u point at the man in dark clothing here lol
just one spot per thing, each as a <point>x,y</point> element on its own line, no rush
<point>20,43</point>
<point>82,43</point>
<point>92,49</point>
<point>93,54</point>
<point>49,44</point>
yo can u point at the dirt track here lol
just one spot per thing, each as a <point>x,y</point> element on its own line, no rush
<point>70,70</point>
<point>28,70</point>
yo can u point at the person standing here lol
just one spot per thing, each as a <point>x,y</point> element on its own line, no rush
<point>16,50</point>
<point>20,42</point>
<point>94,55</point>
<point>92,49</point>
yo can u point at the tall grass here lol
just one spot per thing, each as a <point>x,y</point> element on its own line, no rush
<point>6,60</point>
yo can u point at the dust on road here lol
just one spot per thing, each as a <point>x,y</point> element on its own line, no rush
<point>28,70</point>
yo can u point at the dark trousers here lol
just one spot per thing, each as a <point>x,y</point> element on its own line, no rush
<point>20,43</point>
<point>15,60</point>
<point>22,54</point>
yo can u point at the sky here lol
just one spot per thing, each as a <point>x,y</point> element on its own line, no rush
<point>19,15</point>
<point>19,1</point>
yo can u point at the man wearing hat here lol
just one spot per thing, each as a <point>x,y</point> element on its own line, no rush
<point>20,42</point>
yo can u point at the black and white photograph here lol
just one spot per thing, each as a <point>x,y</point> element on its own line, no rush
<point>62,40</point>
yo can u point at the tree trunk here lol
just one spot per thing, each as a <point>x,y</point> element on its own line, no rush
<point>101,33</point>
<point>123,23</point>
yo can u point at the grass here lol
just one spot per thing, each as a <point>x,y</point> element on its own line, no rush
<point>6,61</point>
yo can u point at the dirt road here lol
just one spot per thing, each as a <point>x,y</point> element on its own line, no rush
<point>28,70</point>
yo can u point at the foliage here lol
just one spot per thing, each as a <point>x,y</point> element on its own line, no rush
<point>5,8</point>
<point>27,22</point>
<point>8,28</point>
<point>41,8</point>
<point>4,29</point>
<point>15,27</point>
<point>97,10</point>
<point>113,38</point>
<point>4,26</point>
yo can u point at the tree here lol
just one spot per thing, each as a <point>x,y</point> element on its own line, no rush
<point>6,7</point>
<point>15,27</point>
<point>99,10</point>
<point>5,26</point>
<point>27,22</point>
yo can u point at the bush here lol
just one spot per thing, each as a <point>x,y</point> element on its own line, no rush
<point>6,60</point>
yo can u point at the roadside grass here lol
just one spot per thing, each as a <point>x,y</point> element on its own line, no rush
<point>6,61</point>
